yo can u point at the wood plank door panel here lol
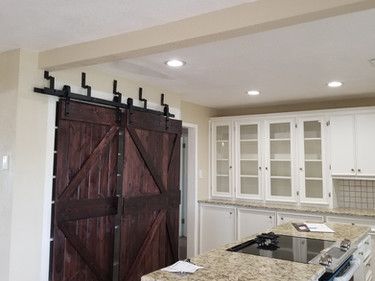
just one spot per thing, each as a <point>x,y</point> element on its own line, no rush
<point>151,194</point>
<point>84,194</point>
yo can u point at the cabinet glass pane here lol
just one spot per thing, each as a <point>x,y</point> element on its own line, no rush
<point>249,132</point>
<point>280,149</point>
<point>222,150</point>
<point>222,184</point>
<point>281,187</point>
<point>280,168</point>
<point>313,169</point>
<point>314,188</point>
<point>280,131</point>
<point>222,167</point>
<point>313,149</point>
<point>222,133</point>
<point>249,167</point>
<point>312,129</point>
<point>249,150</point>
<point>249,185</point>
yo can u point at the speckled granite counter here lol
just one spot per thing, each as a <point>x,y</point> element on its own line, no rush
<point>220,265</point>
<point>290,208</point>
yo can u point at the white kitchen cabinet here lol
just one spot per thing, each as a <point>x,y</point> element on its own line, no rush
<point>365,144</point>
<point>297,217</point>
<point>280,159</point>
<point>251,222</point>
<point>342,146</point>
<point>312,166</point>
<point>221,154</point>
<point>248,160</point>
<point>352,140</point>
<point>217,226</point>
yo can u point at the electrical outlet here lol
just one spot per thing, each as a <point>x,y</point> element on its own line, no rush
<point>4,163</point>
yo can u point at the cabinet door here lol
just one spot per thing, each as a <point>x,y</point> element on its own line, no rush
<point>365,144</point>
<point>248,160</point>
<point>217,227</point>
<point>295,217</point>
<point>221,159</point>
<point>342,145</point>
<point>280,160</point>
<point>312,164</point>
<point>251,222</point>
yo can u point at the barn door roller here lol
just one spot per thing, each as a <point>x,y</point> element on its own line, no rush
<point>67,94</point>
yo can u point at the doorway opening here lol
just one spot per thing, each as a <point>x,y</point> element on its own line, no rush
<point>188,185</point>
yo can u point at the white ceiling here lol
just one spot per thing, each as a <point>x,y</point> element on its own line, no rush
<point>44,24</point>
<point>288,64</point>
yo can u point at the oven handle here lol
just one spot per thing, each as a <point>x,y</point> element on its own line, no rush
<point>355,263</point>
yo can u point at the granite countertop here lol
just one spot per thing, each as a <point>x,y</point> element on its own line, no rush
<point>220,265</point>
<point>291,208</point>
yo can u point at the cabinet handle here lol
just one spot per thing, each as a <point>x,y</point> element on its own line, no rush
<point>301,169</point>
<point>367,243</point>
<point>359,170</point>
<point>266,168</point>
<point>361,253</point>
<point>230,167</point>
<point>282,218</point>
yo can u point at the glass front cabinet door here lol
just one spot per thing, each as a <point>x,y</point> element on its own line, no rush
<point>280,160</point>
<point>311,166</point>
<point>221,153</point>
<point>248,160</point>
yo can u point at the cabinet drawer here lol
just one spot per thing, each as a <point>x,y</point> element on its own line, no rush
<point>351,220</point>
<point>297,217</point>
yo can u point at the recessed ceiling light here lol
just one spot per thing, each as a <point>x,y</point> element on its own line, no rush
<point>175,63</point>
<point>335,84</point>
<point>253,93</point>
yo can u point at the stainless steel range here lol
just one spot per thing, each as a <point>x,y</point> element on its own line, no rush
<point>336,257</point>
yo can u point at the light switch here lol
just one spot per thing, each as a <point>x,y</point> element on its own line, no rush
<point>4,162</point>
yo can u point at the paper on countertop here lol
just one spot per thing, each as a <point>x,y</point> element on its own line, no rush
<point>318,227</point>
<point>183,267</point>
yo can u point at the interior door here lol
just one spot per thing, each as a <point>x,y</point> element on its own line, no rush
<point>84,199</point>
<point>150,225</point>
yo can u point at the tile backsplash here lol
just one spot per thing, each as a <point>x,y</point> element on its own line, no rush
<point>359,194</point>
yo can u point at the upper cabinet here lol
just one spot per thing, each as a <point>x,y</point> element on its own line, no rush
<point>312,160</point>
<point>352,141</point>
<point>290,157</point>
<point>280,160</point>
<point>248,160</point>
<point>221,165</point>
<point>342,145</point>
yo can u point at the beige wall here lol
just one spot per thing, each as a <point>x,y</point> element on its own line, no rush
<point>9,67</point>
<point>346,102</point>
<point>200,115</point>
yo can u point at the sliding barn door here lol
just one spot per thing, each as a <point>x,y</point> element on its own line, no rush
<point>84,194</point>
<point>149,225</point>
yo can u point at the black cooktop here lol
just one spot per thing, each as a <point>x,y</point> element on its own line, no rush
<point>283,247</point>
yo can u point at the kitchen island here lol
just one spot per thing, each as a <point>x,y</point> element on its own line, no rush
<point>220,264</point>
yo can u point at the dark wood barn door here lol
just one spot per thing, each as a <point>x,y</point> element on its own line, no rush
<point>149,226</point>
<point>85,202</point>
<point>86,208</point>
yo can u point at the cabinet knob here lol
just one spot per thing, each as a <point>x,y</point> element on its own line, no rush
<point>352,170</point>
<point>260,168</point>
<point>230,167</point>
<point>270,217</point>
<point>301,169</point>
<point>266,168</point>
<point>359,170</point>
<point>282,218</point>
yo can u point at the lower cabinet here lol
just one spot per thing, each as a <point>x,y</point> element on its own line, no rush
<point>295,217</point>
<point>367,268</point>
<point>250,222</point>
<point>217,227</point>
